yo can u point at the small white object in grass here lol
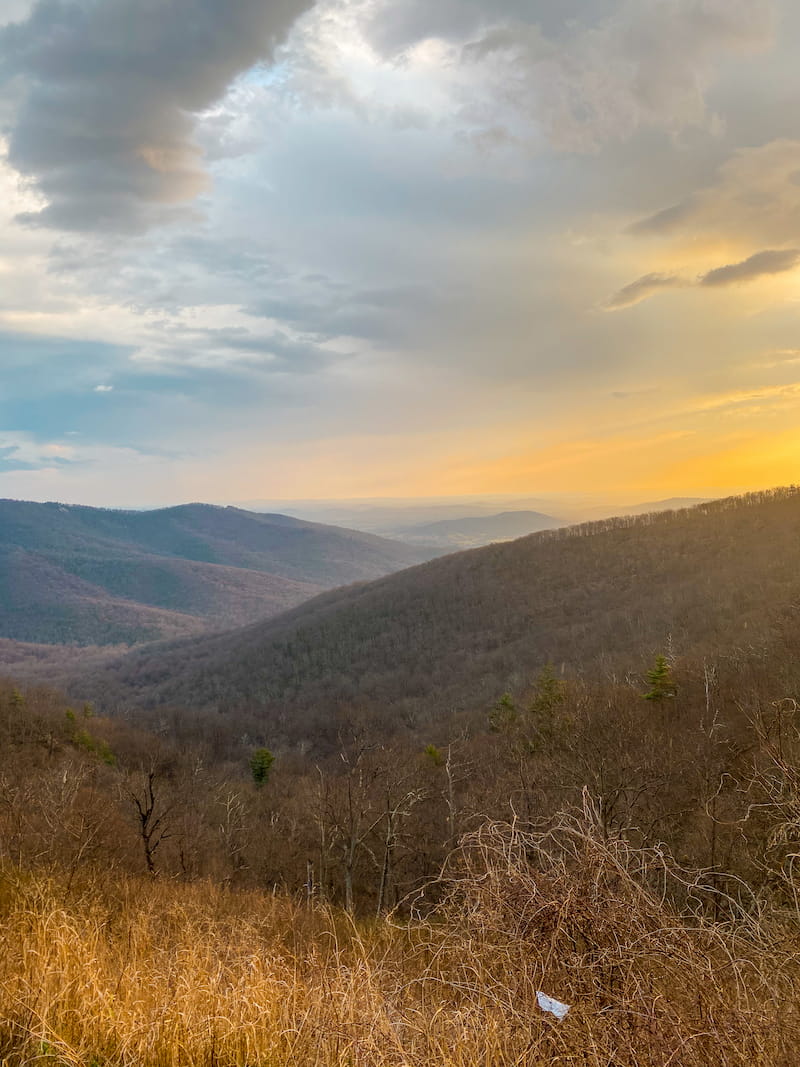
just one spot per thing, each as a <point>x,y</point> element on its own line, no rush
<point>555,1007</point>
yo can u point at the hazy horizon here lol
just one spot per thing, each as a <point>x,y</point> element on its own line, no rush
<point>386,514</point>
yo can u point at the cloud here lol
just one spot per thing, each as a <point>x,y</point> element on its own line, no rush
<point>384,317</point>
<point>15,10</point>
<point>756,266</point>
<point>394,27</point>
<point>748,402</point>
<point>237,350</point>
<point>755,197</point>
<point>784,357</point>
<point>350,269</point>
<point>10,461</point>
<point>586,71</point>
<point>20,452</point>
<point>104,389</point>
<point>665,220</point>
<point>642,289</point>
<point>760,265</point>
<point>108,93</point>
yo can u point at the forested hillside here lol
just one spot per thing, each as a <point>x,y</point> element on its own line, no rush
<point>79,575</point>
<point>454,632</point>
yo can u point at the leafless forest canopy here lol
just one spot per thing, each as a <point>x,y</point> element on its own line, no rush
<point>93,576</point>
<point>448,637</point>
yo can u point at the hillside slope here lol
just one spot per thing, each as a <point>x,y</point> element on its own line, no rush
<point>458,631</point>
<point>84,575</point>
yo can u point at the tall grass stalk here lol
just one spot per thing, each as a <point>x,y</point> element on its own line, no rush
<point>159,974</point>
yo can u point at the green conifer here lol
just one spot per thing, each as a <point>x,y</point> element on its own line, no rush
<point>659,678</point>
<point>260,765</point>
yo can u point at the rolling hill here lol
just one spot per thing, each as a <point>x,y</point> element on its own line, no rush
<point>81,575</point>
<point>456,632</point>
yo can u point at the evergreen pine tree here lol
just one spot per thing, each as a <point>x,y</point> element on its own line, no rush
<point>659,678</point>
<point>550,691</point>
<point>260,765</point>
<point>504,717</point>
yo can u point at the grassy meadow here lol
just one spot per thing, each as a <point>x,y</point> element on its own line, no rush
<point>157,973</point>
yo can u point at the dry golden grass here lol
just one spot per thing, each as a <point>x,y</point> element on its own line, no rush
<point>156,974</point>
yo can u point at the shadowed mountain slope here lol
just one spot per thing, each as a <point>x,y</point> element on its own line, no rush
<point>458,631</point>
<point>84,575</point>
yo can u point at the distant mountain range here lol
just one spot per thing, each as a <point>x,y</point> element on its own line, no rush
<point>390,518</point>
<point>477,530</point>
<point>80,575</point>
<point>457,632</point>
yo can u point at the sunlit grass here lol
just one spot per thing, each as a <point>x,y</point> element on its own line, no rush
<point>136,972</point>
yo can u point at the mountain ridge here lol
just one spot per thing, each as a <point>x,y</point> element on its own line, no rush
<point>82,575</point>
<point>456,632</point>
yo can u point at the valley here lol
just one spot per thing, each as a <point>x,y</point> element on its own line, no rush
<point>454,633</point>
<point>399,533</point>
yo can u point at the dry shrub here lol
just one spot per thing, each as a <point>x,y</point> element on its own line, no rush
<point>586,919</point>
<point>166,975</point>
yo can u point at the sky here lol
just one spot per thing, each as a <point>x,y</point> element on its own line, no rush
<point>278,249</point>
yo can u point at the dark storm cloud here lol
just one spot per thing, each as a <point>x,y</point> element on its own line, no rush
<point>107,91</point>
<point>762,263</point>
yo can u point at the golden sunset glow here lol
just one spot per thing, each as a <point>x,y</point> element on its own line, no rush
<point>391,260</point>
